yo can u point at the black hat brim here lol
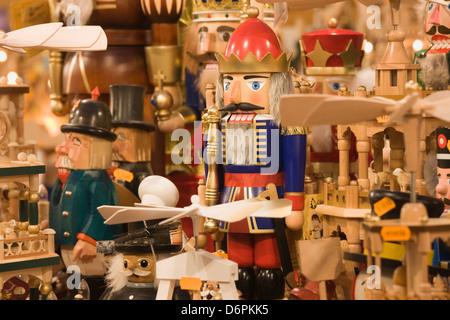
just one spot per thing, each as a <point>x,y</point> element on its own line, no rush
<point>98,132</point>
<point>136,248</point>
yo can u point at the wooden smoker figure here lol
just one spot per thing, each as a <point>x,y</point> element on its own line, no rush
<point>83,185</point>
<point>132,272</point>
<point>254,73</point>
<point>132,148</point>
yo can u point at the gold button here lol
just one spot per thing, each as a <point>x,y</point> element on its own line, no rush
<point>66,235</point>
<point>68,193</point>
<point>65,214</point>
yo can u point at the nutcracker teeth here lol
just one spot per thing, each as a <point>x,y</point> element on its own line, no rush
<point>212,66</point>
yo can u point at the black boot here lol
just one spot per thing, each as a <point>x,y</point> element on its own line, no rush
<point>246,283</point>
<point>269,284</point>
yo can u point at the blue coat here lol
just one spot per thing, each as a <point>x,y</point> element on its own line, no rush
<point>73,209</point>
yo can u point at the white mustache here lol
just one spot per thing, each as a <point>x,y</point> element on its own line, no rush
<point>138,272</point>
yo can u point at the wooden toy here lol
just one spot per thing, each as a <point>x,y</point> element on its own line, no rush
<point>244,89</point>
<point>208,266</point>
<point>84,184</point>
<point>226,277</point>
<point>403,112</point>
<point>433,60</point>
<point>27,249</point>
<point>331,58</point>
<point>132,148</point>
<point>212,24</point>
<point>132,273</point>
<point>53,36</point>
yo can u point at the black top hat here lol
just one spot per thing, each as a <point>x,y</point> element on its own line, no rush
<point>127,106</point>
<point>158,237</point>
<point>443,145</point>
<point>90,117</point>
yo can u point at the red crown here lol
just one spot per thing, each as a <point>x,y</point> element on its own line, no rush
<point>332,51</point>
<point>253,36</point>
<point>253,47</point>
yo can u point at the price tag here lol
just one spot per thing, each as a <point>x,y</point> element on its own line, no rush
<point>187,283</point>
<point>121,174</point>
<point>383,206</point>
<point>395,233</point>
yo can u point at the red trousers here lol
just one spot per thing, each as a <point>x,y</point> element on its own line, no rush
<point>248,250</point>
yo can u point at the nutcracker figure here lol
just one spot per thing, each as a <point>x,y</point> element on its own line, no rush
<point>254,73</point>
<point>213,22</point>
<point>441,249</point>
<point>434,61</point>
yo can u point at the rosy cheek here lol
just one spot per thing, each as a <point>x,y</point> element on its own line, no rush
<point>74,153</point>
<point>226,98</point>
<point>445,19</point>
<point>259,98</point>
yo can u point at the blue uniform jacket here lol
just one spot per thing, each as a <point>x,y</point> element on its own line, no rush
<point>73,209</point>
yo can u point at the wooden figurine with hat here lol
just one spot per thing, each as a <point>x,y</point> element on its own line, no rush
<point>132,149</point>
<point>83,185</point>
<point>254,73</point>
<point>434,61</point>
<point>132,272</point>
<point>213,22</point>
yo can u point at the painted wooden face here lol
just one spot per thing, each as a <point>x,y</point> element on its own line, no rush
<point>124,143</point>
<point>131,145</point>
<point>74,151</point>
<point>139,268</point>
<point>213,36</point>
<point>443,186</point>
<point>437,22</point>
<point>247,88</point>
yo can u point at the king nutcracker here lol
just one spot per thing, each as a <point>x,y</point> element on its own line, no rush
<point>256,151</point>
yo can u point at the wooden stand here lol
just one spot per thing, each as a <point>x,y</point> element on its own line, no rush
<point>32,252</point>
<point>196,265</point>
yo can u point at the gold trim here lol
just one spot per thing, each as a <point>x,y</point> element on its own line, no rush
<point>329,71</point>
<point>106,6</point>
<point>256,229</point>
<point>294,193</point>
<point>250,64</point>
<point>291,130</point>
<point>71,66</point>
<point>83,72</point>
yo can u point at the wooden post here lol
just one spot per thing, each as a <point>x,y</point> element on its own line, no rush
<point>396,155</point>
<point>343,134</point>
<point>363,148</point>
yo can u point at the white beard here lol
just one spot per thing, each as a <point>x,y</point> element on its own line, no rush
<point>240,143</point>
<point>205,77</point>
<point>114,276</point>
<point>434,71</point>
